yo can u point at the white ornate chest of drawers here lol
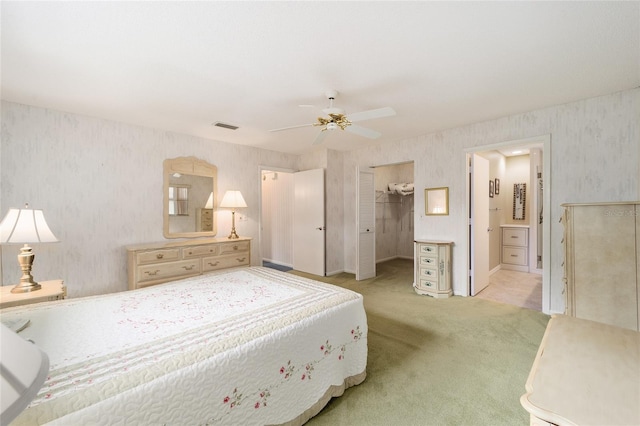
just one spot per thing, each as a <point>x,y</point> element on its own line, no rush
<point>150,264</point>
<point>432,264</point>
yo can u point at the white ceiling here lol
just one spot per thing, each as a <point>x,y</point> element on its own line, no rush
<point>181,66</point>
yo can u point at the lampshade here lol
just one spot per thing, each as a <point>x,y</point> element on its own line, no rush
<point>21,226</point>
<point>233,199</point>
<point>23,369</point>
<point>209,203</point>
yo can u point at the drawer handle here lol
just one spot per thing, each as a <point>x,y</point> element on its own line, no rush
<point>188,268</point>
<point>190,252</point>
<point>513,236</point>
<point>428,284</point>
<point>235,247</point>
<point>427,272</point>
<point>514,255</point>
<point>152,273</point>
<point>240,259</point>
<point>213,264</point>
<point>159,256</point>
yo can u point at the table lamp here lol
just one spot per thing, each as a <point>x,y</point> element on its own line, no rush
<point>233,200</point>
<point>25,226</point>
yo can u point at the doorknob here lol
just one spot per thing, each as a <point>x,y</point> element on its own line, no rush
<point>320,228</point>
<point>489,229</point>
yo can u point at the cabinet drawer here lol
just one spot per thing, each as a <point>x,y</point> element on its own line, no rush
<point>155,256</point>
<point>229,248</point>
<point>514,256</point>
<point>427,261</point>
<point>183,268</point>
<point>514,237</point>
<point>220,262</point>
<point>428,249</point>
<point>429,273</point>
<point>428,283</point>
<point>199,251</point>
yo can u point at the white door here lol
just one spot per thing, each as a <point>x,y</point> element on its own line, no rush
<point>308,222</point>
<point>366,217</point>
<point>479,221</point>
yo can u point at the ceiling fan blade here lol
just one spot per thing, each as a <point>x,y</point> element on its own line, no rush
<point>323,134</point>
<point>371,114</point>
<point>363,131</point>
<point>290,127</point>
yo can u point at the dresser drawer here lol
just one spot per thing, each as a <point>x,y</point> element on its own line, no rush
<point>229,248</point>
<point>220,262</point>
<point>156,256</point>
<point>430,273</point>
<point>514,237</point>
<point>425,261</point>
<point>427,283</point>
<point>428,249</point>
<point>199,251</point>
<point>183,268</point>
<point>514,256</point>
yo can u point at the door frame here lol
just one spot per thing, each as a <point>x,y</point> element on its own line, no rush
<point>261,169</point>
<point>545,141</point>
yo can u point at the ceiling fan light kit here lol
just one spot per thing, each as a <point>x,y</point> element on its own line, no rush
<point>338,119</point>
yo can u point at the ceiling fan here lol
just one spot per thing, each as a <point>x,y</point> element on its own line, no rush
<point>337,119</point>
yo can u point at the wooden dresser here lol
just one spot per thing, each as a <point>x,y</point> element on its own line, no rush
<point>585,373</point>
<point>602,262</point>
<point>432,264</point>
<point>150,264</point>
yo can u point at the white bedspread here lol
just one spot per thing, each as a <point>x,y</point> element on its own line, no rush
<point>240,347</point>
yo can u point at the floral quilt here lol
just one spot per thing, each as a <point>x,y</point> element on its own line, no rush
<point>243,346</point>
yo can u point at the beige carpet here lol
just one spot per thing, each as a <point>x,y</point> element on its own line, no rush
<point>455,361</point>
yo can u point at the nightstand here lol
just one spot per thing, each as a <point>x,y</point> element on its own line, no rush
<point>51,290</point>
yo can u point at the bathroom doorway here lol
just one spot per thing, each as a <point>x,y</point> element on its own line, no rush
<point>515,224</point>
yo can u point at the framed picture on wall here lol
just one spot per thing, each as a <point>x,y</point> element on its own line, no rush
<point>491,189</point>
<point>497,187</point>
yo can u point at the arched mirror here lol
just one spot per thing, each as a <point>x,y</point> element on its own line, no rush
<point>189,198</point>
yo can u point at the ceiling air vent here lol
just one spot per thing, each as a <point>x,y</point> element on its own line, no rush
<point>225,125</point>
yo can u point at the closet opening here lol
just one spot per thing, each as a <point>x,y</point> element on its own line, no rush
<point>394,214</point>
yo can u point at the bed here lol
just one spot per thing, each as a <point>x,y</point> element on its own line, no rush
<point>243,346</point>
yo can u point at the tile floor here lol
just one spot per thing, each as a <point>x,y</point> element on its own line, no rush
<point>514,288</point>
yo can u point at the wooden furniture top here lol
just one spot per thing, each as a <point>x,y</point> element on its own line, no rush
<point>585,372</point>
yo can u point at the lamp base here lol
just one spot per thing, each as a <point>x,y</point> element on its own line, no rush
<point>26,287</point>
<point>25,259</point>
<point>233,235</point>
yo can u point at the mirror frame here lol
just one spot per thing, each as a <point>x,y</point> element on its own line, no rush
<point>519,200</point>
<point>438,192</point>
<point>187,166</point>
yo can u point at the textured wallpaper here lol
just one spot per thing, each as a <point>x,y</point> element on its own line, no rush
<point>100,182</point>
<point>595,156</point>
<point>100,185</point>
